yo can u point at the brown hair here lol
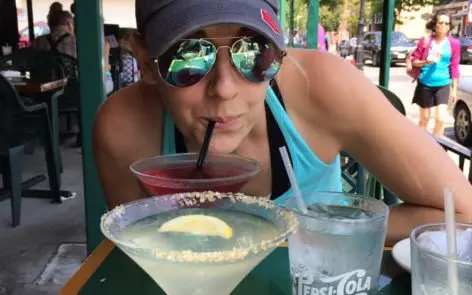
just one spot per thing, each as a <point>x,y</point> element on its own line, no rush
<point>431,25</point>
<point>60,18</point>
<point>138,48</point>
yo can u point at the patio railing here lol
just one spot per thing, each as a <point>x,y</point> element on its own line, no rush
<point>463,153</point>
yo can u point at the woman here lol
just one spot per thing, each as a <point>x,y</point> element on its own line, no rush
<point>438,57</point>
<point>318,112</point>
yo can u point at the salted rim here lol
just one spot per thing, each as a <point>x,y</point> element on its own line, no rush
<point>192,199</point>
<point>198,181</point>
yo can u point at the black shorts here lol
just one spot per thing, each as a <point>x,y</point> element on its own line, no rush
<point>427,97</point>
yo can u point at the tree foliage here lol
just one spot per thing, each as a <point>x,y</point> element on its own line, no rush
<point>330,17</point>
<point>402,5</point>
<point>330,14</point>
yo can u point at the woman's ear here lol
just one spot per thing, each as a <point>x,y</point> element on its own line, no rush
<point>139,50</point>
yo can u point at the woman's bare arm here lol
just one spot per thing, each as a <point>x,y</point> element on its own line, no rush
<point>123,134</point>
<point>402,156</point>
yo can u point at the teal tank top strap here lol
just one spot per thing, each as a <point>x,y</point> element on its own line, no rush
<point>168,139</point>
<point>311,173</point>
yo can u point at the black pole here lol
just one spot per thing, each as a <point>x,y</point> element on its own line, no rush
<point>360,33</point>
<point>29,5</point>
<point>292,28</point>
<point>470,173</point>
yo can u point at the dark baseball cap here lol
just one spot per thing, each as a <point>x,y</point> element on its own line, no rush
<point>163,22</point>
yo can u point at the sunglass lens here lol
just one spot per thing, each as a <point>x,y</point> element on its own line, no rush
<point>187,62</point>
<point>257,59</point>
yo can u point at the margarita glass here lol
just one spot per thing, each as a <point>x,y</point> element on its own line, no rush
<point>177,173</point>
<point>240,231</point>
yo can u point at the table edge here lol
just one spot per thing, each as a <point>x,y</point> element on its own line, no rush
<point>93,262</point>
<point>87,268</point>
<point>42,87</point>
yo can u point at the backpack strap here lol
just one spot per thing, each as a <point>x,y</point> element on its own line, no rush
<point>53,44</point>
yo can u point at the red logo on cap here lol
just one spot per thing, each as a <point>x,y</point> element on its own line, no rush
<point>267,18</point>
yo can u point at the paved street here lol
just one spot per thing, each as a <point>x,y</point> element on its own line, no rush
<point>401,85</point>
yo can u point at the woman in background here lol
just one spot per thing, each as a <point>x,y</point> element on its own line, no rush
<point>438,57</point>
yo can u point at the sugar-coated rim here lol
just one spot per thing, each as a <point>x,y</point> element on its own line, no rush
<point>192,199</point>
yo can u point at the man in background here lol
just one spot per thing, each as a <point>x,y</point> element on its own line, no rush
<point>61,38</point>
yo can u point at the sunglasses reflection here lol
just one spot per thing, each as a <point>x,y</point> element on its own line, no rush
<point>186,63</point>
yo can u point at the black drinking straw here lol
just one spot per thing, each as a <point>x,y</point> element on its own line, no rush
<point>206,144</point>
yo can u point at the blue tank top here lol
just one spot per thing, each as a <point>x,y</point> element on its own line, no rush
<point>312,174</point>
<point>438,74</point>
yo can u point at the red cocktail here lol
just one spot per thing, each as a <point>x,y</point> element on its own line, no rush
<point>177,173</point>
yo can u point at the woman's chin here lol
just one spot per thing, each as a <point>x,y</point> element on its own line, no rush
<point>223,146</point>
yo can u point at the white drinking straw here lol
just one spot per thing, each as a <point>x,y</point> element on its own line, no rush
<point>293,181</point>
<point>450,209</point>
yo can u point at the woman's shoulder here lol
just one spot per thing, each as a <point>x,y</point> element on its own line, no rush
<point>332,84</point>
<point>318,79</point>
<point>323,72</point>
<point>132,97</point>
<point>129,109</point>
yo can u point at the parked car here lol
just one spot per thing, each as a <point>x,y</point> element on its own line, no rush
<point>343,48</point>
<point>400,48</point>
<point>466,49</point>
<point>461,112</point>
<point>347,47</point>
<point>40,28</point>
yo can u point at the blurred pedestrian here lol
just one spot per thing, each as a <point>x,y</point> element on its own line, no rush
<point>435,64</point>
<point>321,38</point>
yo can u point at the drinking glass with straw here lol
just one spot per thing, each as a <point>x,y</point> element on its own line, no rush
<point>293,181</point>
<point>205,146</point>
<point>441,258</point>
<point>449,209</point>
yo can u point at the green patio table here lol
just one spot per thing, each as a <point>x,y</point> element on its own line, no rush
<point>109,271</point>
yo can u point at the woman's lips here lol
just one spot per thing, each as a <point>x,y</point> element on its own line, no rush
<point>229,122</point>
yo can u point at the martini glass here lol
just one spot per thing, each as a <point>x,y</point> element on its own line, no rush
<point>183,263</point>
<point>176,173</point>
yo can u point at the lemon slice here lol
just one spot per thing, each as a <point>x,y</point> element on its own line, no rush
<point>202,225</point>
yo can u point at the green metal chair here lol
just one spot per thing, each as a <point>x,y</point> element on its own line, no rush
<point>357,179</point>
<point>20,125</point>
<point>41,67</point>
<point>69,100</point>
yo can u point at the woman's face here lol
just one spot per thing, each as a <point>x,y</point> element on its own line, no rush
<point>442,24</point>
<point>223,95</point>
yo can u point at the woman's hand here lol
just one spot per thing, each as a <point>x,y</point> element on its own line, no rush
<point>453,98</point>
<point>454,86</point>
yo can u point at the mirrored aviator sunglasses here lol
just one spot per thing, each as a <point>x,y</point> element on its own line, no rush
<point>190,60</point>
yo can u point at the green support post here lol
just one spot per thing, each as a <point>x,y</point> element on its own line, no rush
<point>292,23</point>
<point>90,56</point>
<point>282,16</point>
<point>312,26</point>
<point>385,54</point>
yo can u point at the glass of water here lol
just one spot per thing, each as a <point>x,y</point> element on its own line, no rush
<point>339,245</point>
<point>429,261</point>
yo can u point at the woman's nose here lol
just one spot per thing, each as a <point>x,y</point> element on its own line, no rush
<point>223,78</point>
